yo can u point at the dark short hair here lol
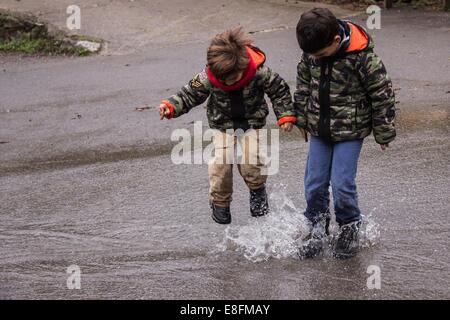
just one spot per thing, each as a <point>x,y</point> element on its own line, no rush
<point>316,29</point>
<point>227,53</point>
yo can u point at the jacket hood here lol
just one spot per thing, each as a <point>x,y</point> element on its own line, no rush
<point>256,55</point>
<point>256,58</point>
<point>354,38</point>
<point>359,38</point>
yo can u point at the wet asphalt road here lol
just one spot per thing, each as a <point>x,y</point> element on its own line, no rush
<point>87,180</point>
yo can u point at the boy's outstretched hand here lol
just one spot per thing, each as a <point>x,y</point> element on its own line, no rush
<point>164,111</point>
<point>384,146</point>
<point>287,126</point>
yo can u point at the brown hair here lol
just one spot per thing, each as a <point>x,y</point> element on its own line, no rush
<point>227,53</point>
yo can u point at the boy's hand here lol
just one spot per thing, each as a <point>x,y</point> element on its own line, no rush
<point>304,133</point>
<point>384,146</point>
<point>287,126</point>
<point>164,111</point>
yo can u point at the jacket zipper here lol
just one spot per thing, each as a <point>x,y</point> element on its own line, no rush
<point>324,99</point>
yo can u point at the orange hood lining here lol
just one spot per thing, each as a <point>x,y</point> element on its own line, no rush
<point>358,39</point>
<point>256,55</point>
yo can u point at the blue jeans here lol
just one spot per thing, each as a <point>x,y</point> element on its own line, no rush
<point>336,162</point>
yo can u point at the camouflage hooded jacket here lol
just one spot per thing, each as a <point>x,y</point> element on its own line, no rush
<point>241,105</point>
<point>345,96</point>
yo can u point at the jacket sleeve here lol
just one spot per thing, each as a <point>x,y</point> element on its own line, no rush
<point>302,92</point>
<point>191,95</point>
<point>378,86</point>
<point>279,94</point>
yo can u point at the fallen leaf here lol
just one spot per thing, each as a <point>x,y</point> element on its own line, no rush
<point>142,108</point>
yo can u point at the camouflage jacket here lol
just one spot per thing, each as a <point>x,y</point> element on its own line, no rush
<point>345,96</point>
<point>241,105</point>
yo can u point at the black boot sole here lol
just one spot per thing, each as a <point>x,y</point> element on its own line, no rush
<point>344,256</point>
<point>228,221</point>
<point>259,215</point>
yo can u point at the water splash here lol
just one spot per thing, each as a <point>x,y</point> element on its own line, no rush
<point>279,234</point>
<point>276,235</point>
<point>370,231</point>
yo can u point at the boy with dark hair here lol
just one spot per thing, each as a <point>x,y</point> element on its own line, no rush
<point>235,80</point>
<point>343,93</point>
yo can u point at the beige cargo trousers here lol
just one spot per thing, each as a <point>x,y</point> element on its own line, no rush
<point>234,148</point>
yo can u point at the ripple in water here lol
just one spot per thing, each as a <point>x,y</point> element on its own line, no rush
<point>279,234</point>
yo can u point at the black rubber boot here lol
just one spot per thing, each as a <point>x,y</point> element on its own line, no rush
<point>221,215</point>
<point>313,244</point>
<point>259,205</point>
<point>347,244</point>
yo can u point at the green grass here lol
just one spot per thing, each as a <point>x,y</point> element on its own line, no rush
<point>43,46</point>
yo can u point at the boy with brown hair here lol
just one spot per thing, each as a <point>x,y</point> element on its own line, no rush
<point>235,80</point>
